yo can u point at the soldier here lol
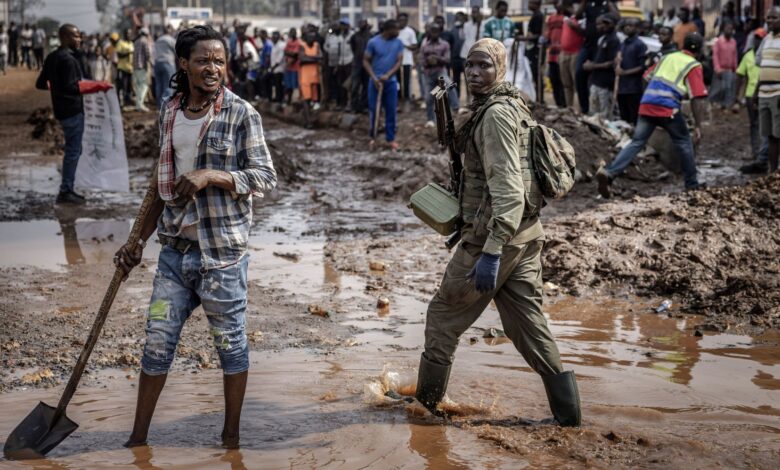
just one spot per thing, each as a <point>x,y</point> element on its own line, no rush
<point>499,257</point>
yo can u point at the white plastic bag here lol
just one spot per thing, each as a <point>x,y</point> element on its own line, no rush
<point>103,161</point>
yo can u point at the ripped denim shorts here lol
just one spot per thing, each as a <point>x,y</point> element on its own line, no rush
<point>179,287</point>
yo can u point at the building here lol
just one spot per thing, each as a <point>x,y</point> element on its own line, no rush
<point>5,12</point>
<point>419,11</point>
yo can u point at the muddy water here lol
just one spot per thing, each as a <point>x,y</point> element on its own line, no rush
<point>638,370</point>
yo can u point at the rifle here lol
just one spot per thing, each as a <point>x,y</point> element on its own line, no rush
<point>445,129</point>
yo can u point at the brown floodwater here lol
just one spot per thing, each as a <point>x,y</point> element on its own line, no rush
<point>636,368</point>
<point>640,373</point>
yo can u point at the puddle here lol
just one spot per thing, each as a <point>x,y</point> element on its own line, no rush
<point>303,410</point>
<point>29,174</point>
<point>53,245</point>
<point>299,412</point>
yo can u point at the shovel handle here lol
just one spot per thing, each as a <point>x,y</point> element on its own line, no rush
<point>380,91</point>
<point>105,306</point>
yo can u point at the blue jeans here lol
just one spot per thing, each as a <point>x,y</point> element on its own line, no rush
<point>433,81</point>
<point>581,82</point>
<point>389,102</point>
<point>73,128</point>
<point>681,139</point>
<point>179,287</point>
<point>163,72</point>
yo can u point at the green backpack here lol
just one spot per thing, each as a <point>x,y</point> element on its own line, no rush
<point>552,159</point>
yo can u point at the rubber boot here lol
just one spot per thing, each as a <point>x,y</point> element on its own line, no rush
<point>235,386</point>
<point>432,382</point>
<point>564,398</point>
<point>149,388</point>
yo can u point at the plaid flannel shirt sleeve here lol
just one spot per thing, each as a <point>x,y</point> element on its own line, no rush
<point>257,174</point>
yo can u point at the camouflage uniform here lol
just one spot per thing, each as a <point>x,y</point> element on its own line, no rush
<point>500,204</point>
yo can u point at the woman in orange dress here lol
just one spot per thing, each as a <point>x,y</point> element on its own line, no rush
<point>309,75</point>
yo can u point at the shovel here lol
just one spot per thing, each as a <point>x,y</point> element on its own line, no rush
<point>380,91</point>
<point>45,427</point>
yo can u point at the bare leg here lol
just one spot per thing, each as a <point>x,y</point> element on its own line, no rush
<point>149,389</point>
<point>235,386</point>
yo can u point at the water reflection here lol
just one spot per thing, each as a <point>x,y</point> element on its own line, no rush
<point>142,458</point>
<point>37,243</point>
<point>620,336</point>
<point>432,444</point>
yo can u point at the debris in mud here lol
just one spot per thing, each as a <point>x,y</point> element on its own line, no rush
<point>494,333</point>
<point>377,266</point>
<point>287,165</point>
<point>46,128</point>
<point>142,136</point>
<point>315,309</point>
<point>665,305</point>
<point>382,302</point>
<point>34,378</point>
<point>294,257</point>
<point>716,251</point>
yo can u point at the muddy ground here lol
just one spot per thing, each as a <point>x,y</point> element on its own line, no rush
<point>694,388</point>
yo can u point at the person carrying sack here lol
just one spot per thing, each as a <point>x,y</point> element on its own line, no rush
<point>499,257</point>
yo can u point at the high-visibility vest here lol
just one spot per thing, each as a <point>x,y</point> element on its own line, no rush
<point>667,85</point>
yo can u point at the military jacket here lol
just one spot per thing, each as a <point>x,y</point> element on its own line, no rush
<point>500,198</point>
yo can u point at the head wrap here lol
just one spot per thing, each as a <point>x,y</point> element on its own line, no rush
<point>497,53</point>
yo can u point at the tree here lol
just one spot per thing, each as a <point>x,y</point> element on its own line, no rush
<point>50,25</point>
<point>20,8</point>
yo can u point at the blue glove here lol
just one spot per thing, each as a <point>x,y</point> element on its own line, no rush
<point>485,273</point>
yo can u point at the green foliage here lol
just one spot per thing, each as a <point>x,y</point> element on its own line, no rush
<point>50,25</point>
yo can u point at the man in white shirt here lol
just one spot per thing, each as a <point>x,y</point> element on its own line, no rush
<point>3,48</point>
<point>339,61</point>
<point>472,32</point>
<point>277,66</point>
<point>408,37</point>
<point>247,64</point>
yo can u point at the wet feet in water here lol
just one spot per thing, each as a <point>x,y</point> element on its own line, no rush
<point>135,443</point>
<point>230,441</point>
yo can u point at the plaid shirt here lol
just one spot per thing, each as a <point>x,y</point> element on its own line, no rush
<point>230,140</point>
<point>142,55</point>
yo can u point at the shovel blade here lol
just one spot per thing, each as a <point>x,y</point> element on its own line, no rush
<point>37,434</point>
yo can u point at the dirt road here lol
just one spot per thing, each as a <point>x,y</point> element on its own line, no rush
<point>696,386</point>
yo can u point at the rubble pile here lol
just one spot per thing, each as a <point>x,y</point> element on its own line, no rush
<point>716,251</point>
<point>142,138</point>
<point>46,128</point>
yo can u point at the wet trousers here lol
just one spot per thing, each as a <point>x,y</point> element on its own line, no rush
<point>518,296</point>
<point>389,100</point>
<point>180,286</point>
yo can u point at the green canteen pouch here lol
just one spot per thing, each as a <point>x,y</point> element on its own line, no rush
<point>437,207</point>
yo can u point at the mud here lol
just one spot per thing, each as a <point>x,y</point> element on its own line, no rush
<point>715,252</point>
<point>340,239</point>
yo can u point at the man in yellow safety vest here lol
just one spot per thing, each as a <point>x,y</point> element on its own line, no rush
<point>676,76</point>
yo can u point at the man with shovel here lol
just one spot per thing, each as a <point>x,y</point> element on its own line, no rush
<point>213,158</point>
<point>381,60</point>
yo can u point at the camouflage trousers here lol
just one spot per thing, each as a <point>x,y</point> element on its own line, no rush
<point>518,296</point>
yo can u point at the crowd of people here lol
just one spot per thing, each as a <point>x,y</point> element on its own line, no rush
<point>584,56</point>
